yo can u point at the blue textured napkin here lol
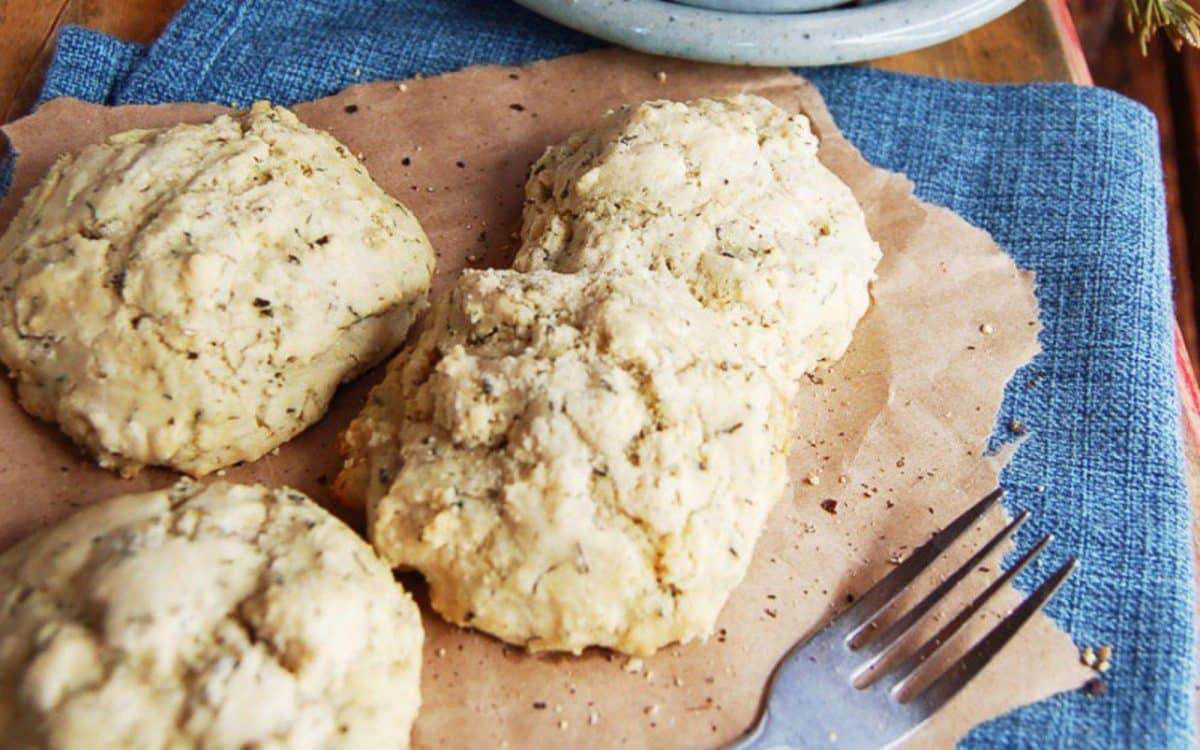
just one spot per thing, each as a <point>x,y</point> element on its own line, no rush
<point>1067,179</point>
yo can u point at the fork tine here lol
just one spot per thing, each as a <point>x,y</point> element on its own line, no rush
<point>881,646</point>
<point>947,685</point>
<point>905,668</point>
<point>883,593</point>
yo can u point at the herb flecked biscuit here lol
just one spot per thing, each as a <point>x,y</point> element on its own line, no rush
<point>571,459</point>
<point>225,617</point>
<point>726,194</point>
<point>193,296</point>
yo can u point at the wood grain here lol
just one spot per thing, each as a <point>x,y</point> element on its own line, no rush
<point>1148,81</point>
<point>1183,76</point>
<point>1094,20</point>
<point>30,27</point>
<point>1025,45</point>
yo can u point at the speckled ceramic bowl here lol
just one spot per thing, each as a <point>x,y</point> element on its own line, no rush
<point>765,6</point>
<point>825,37</point>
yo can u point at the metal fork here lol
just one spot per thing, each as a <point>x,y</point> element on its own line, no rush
<point>846,687</point>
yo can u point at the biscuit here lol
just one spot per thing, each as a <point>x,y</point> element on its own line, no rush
<point>192,296</point>
<point>571,460</point>
<point>726,194</point>
<point>226,616</point>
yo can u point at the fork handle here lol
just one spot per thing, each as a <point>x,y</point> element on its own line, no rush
<point>766,735</point>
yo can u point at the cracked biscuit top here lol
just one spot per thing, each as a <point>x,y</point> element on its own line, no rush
<point>227,616</point>
<point>191,297</point>
<point>571,459</point>
<point>726,194</point>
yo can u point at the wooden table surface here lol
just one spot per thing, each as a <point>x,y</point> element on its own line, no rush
<point>1035,42</point>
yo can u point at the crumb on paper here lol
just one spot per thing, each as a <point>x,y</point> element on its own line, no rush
<point>986,329</point>
<point>633,665</point>
<point>843,479</point>
<point>1095,687</point>
<point>1104,659</point>
<point>593,717</point>
<point>651,710</point>
<point>402,88</point>
<point>813,479</point>
<point>829,505</point>
<point>1099,659</point>
<point>562,724</point>
<point>1088,657</point>
<point>441,651</point>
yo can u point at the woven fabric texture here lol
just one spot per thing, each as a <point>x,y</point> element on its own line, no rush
<point>1067,179</point>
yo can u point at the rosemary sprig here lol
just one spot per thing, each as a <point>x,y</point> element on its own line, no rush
<point>1177,18</point>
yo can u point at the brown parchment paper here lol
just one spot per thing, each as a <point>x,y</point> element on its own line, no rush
<point>893,433</point>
